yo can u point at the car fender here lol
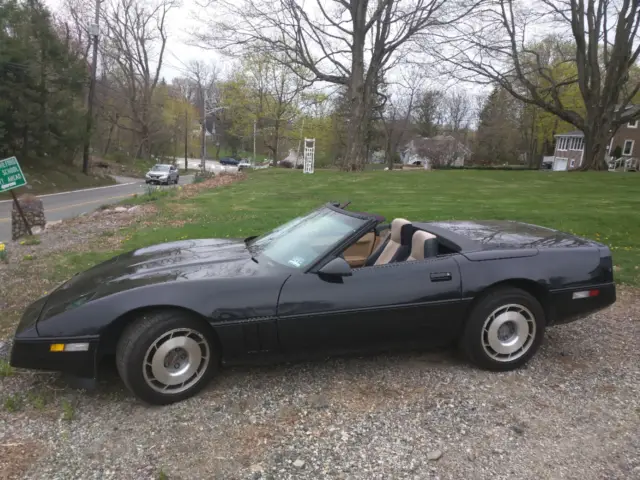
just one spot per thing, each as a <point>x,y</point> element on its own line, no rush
<point>219,301</point>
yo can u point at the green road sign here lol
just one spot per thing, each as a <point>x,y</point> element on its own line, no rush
<point>11,175</point>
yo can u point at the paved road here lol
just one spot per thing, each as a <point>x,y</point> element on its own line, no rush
<point>59,206</point>
<point>210,165</point>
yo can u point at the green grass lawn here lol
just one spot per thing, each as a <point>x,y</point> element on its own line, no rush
<point>602,206</point>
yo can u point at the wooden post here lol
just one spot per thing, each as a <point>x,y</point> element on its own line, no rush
<point>24,219</point>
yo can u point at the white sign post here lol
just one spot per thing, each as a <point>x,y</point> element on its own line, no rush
<point>309,154</point>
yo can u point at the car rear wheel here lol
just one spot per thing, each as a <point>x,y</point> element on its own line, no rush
<point>165,357</point>
<point>504,330</point>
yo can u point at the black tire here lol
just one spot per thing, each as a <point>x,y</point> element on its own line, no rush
<point>177,179</point>
<point>475,340</point>
<point>134,345</point>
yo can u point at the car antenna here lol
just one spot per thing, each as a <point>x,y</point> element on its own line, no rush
<point>346,204</point>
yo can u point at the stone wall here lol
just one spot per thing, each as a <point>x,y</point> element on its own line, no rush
<point>33,211</point>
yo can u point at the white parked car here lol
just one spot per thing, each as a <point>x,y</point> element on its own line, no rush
<point>163,174</point>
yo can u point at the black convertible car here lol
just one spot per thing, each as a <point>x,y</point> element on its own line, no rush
<point>332,281</point>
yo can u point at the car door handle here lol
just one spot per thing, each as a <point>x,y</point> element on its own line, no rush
<point>441,277</point>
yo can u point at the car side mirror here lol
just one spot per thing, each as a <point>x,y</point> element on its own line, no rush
<point>338,267</point>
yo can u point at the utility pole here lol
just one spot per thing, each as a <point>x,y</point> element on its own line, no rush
<point>186,139</point>
<point>94,29</point>
<point>254,141</point>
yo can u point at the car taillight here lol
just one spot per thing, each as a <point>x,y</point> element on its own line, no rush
<point>585,294</point>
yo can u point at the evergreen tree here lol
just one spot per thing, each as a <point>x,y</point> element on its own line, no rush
<point>498,134</point>
<point>41,86</point>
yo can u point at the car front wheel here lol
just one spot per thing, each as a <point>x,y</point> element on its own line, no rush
<point>165,357</point>
<point>504,329</point>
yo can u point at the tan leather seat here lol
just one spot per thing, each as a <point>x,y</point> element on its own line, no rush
<point>423,245</point>
<point>398,247</point>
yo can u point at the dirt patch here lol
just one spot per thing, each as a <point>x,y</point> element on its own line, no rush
<point>16,457</point>
<point>219,180</point>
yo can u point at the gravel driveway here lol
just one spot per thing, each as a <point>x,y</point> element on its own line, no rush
<point>573,412</point>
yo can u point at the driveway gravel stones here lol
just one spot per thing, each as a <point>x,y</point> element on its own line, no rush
<point>571,413</point>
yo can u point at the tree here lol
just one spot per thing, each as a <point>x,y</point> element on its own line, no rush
<point>41,85</point>
<point>604,49</point>
<point>350,43</point>
<point>457,110</point>
<point>429,113</point>
<point>278,92</point>
<point>498,135</point>
<point>134,43</point>
<point>397,115</point>
<point>204,92</point>
<point>236,119</point>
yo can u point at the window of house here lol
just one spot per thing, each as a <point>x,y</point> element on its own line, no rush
<point>572,164</point>
<point>628,147</point>
<point>562,143</point>
<point>633,124</point>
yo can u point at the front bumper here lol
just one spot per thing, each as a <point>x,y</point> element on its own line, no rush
<point>34,353</point>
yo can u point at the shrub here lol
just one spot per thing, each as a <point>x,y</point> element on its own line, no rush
<point>201,176</point>
<point>286,164</point>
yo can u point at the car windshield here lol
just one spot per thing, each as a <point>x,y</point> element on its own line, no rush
<point>160,168</point>
<point>303,240</point>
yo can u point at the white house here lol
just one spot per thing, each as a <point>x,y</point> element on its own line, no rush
<point>440,150</point>
<point>569,152</point>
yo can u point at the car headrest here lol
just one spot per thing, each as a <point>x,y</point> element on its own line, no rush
<point>422,245</point>
<point>398,225</point>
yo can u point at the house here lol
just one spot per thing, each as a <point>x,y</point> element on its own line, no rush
<point>569,152</point>
<point>433,152</point>
<point>377,157</point>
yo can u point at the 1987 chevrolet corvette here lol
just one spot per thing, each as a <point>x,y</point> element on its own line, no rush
<point>332,281</point>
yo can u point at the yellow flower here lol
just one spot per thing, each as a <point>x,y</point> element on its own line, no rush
<point>1,247</point>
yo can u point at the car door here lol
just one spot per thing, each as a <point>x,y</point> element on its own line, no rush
<point>377,306</point>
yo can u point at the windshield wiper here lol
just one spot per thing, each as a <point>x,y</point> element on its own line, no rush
<point>248,239</point>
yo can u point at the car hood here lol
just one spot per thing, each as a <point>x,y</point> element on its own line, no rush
<point>167,262</point>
